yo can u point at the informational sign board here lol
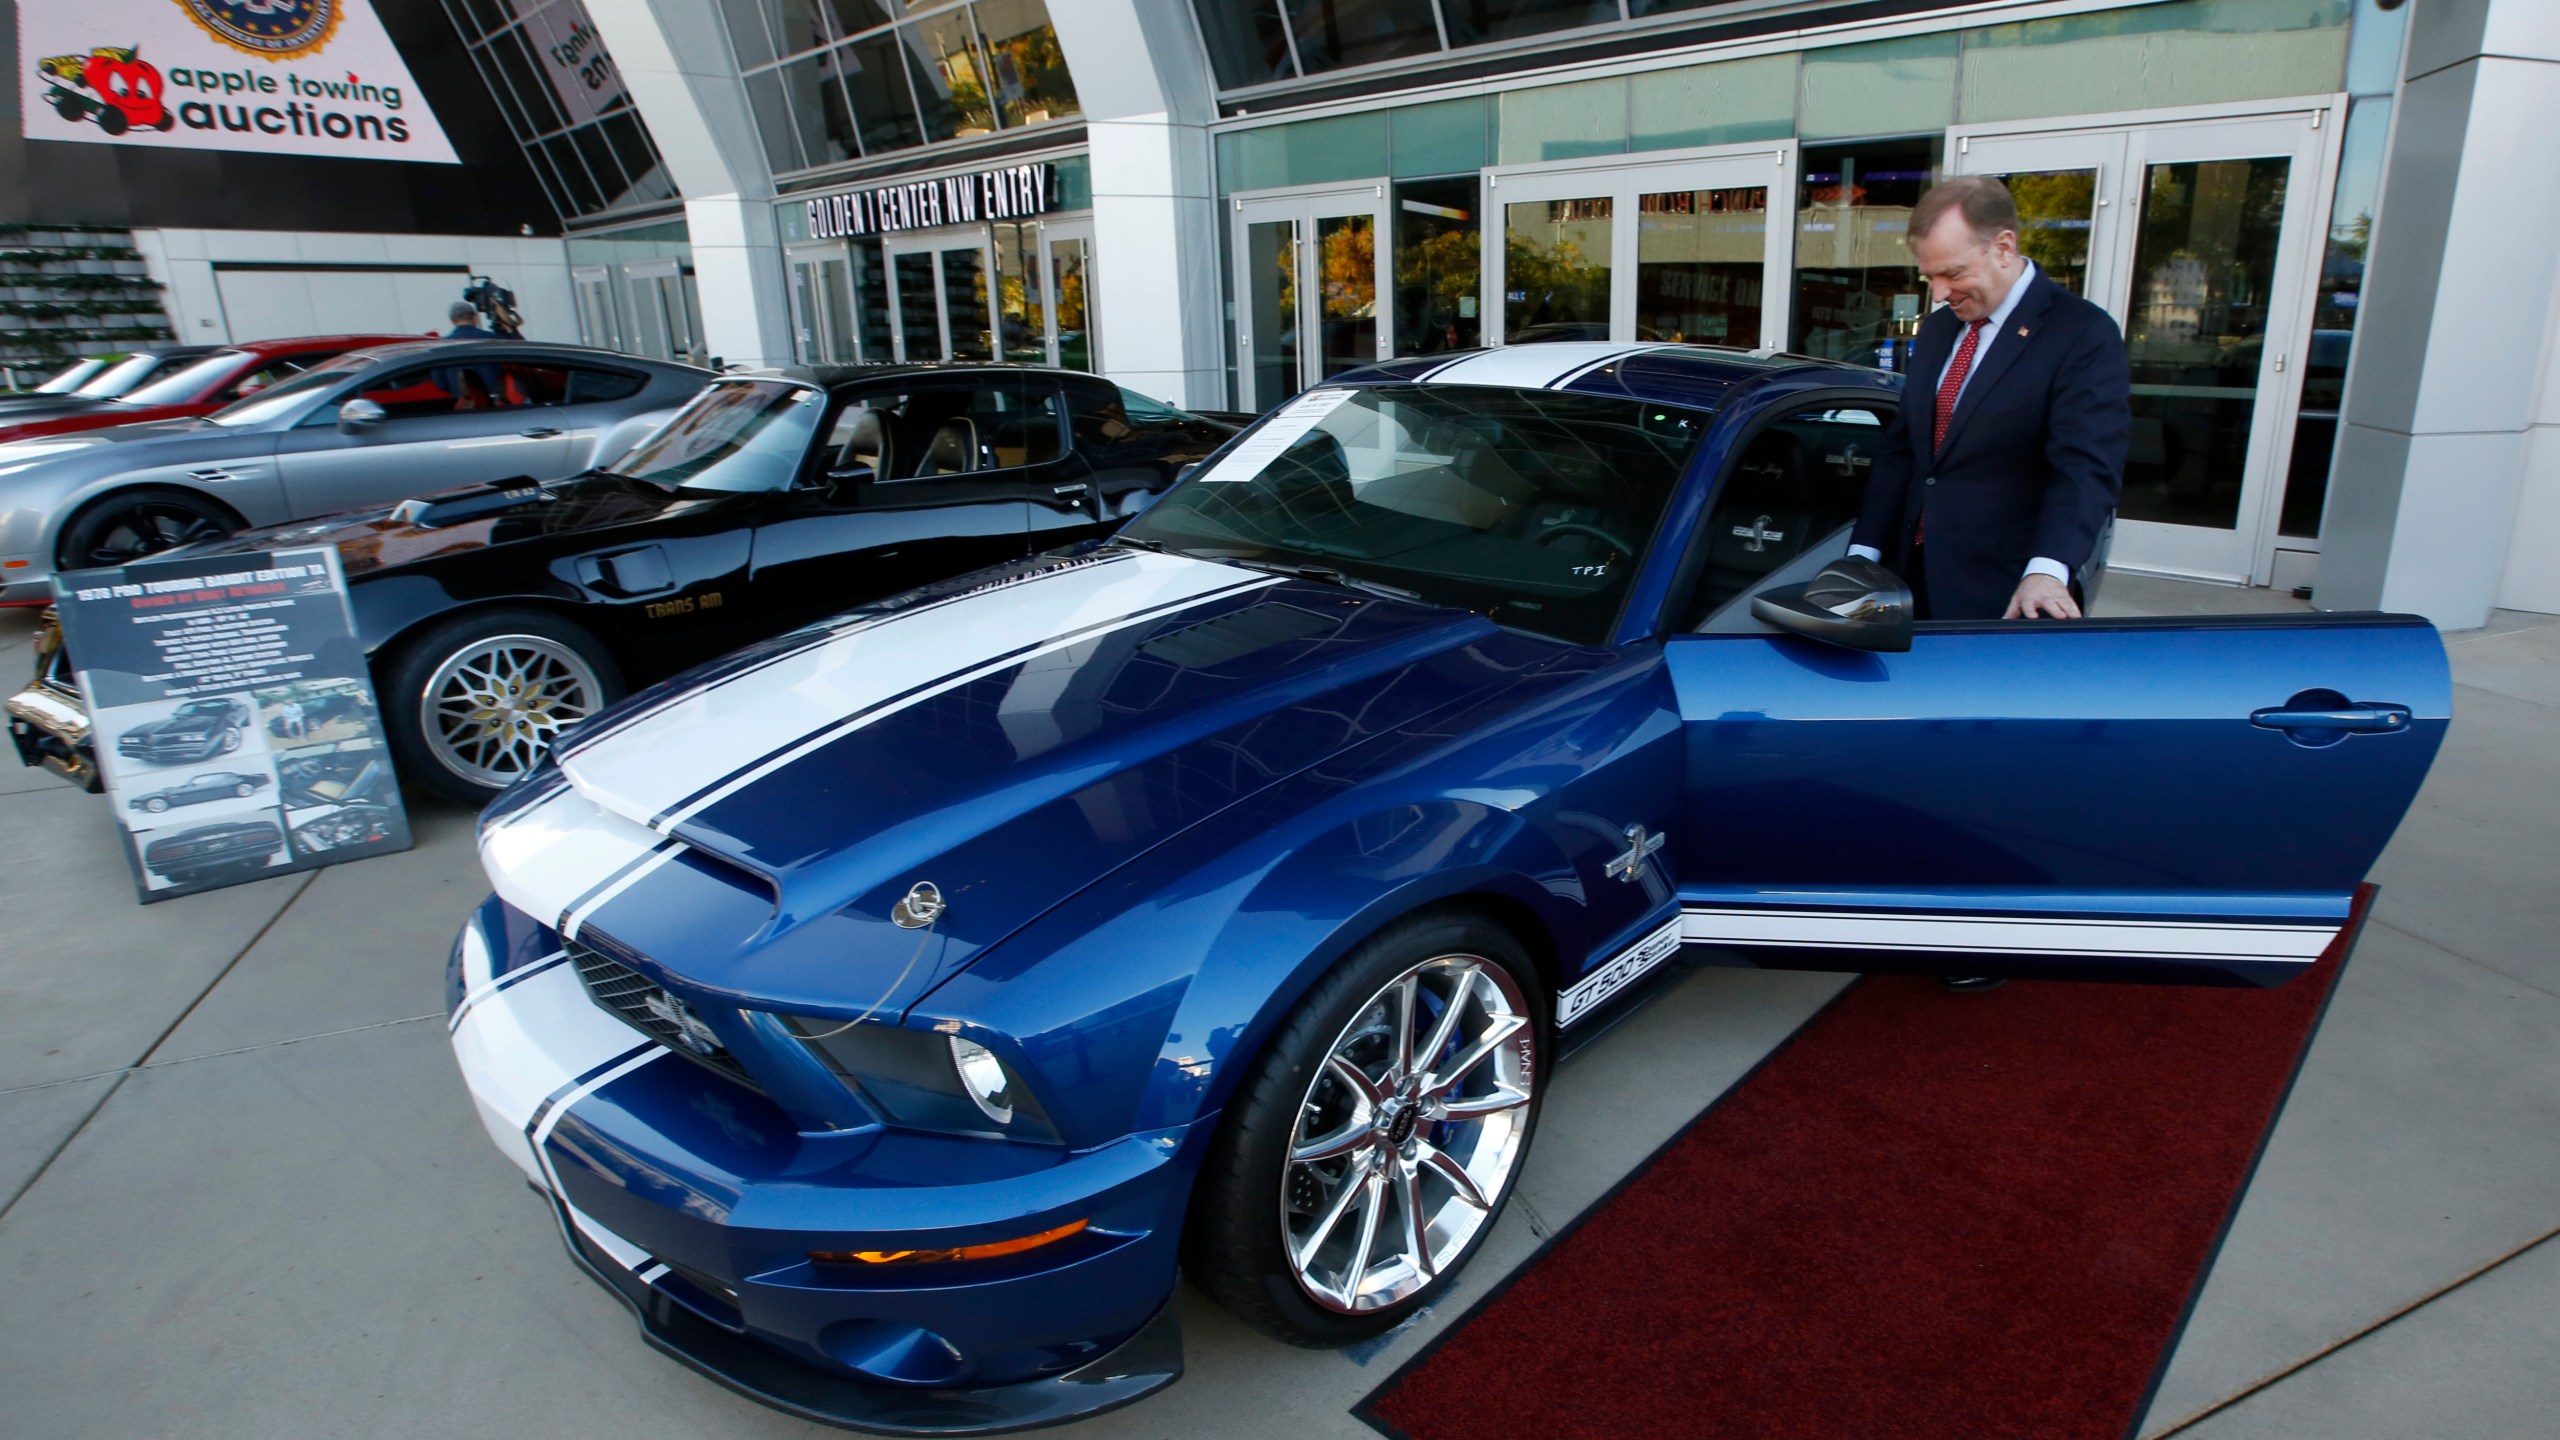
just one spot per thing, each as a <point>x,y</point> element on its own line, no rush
<point>275,77</point>
<point>234,720</point>
<point>573,56</point>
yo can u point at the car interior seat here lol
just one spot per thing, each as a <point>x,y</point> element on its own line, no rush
<point>1766,516</point>
<point>866,442</point>
<point>953,450</point>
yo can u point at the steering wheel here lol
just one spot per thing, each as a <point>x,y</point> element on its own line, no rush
<point>1576,527</point>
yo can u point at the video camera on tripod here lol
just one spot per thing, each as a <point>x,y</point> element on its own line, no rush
<point>498,303</point>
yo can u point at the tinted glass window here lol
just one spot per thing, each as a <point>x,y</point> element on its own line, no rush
<point>1528,506</point>
<point>122,377</point>
<point>927,432</point>
<point>594,387</point>
<point>80,373</point>
<point>182,385</point>
<point>276,401</point>
<point>738,435</point>
<point>1785,506</point>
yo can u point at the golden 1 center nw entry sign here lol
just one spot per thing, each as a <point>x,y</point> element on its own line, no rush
<point>276,77</point>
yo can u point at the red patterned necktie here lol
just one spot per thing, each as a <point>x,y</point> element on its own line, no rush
<point>1953,385</point>
<point>1948,389</point>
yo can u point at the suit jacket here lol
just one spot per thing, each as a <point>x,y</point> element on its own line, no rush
<point>2033,461</point>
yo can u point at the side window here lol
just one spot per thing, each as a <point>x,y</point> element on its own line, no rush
<point>274,372</point>
<point>1786,506</point>
<point>523,385</point>
<point>432,390</point>
<point>957,428</point>
<point>596,387</point>
<point>1101,417</point>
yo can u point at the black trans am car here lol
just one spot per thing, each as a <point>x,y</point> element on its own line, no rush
<point>192,855</point>
<point>498,614</point>
<point>200,789</point>
<point>198,730</point>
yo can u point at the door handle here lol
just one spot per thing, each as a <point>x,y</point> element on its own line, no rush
<point>1065,492</point>
<point>538,433</point>
<point>2345,719</point>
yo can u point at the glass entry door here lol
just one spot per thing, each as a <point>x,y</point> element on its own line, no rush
<point>2200,239</point>
<point>1690,250</point>
<point>593,287</point>
<point>822,305</point>
<point>940,305</point>
<point>666,319</point>
<point>1310,271</point>
<point>1043,269</point>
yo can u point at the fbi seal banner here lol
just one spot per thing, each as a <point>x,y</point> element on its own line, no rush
<point>270,29</point>
<point>275,77</point>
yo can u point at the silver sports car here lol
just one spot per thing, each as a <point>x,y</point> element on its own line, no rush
<point>367,429</point>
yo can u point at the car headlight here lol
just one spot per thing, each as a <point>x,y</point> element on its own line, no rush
<point>926,1079</point>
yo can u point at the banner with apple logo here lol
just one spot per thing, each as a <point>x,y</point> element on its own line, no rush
<point>277,77</point>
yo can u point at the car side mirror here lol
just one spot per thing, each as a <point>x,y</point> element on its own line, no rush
<point>1853,602</point>
<point>360,414</point>
<point>843,480</point>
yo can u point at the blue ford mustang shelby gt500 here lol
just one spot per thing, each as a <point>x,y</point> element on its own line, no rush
<point>889,1009</point>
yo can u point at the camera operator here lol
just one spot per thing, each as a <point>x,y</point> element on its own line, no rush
<point>466,323</point>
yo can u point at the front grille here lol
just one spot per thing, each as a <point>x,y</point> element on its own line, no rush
<point>625,993</point>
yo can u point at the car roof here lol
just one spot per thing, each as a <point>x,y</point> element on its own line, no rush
<point>282,344</point>
<point>831,376</point>
<point>426,346</point>
<point>1694,376</point>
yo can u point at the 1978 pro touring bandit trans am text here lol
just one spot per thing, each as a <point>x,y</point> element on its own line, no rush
<point>889,1009</point>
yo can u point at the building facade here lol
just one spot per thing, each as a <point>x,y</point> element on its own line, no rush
<point>2303,213</point>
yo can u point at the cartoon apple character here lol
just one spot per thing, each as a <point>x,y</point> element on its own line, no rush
<point>130,87</point>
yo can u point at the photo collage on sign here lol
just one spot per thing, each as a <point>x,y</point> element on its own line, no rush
<point>337,786</point>
<point>201,792</point>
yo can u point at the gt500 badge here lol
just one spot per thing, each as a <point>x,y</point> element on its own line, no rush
<point>1591,990</point>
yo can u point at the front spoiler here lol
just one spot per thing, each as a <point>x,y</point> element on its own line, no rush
<point>1134,1369</point>
<point>52,730</point>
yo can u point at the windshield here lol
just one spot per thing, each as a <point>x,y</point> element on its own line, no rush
<point>1530,507</point>
<point>205,707</point>
<point>123,375</point>
<point>182,385</point>
<point>1151,411</point>
<point>78,374</point>
<point>738,435</point>
<point>276,401</point>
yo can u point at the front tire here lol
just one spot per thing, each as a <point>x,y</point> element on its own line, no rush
<point>1375,1141</point>
<point>124,527</point>
<point>474,703</point>
<point>155,805</point>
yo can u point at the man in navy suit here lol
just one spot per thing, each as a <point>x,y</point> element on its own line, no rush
<point>2004,462</point>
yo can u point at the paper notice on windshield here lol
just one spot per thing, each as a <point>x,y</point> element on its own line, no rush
<point>1277,434</point>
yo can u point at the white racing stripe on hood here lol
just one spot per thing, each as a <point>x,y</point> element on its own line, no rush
<point>548,857</point>
<point>1534,367</point>
<point>709,743</point>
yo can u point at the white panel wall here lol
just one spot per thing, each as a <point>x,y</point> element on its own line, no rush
<point>324,293</point>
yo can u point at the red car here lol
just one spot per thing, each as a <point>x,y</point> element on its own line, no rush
<point>197,387</point>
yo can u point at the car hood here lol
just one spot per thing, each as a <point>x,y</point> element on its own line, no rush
<point>1006,740</point>
<point>89,415</point>
<point>123,447</point>
<point>471,518</point>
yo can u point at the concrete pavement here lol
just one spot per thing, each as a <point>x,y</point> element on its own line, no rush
<point>242,1192</point>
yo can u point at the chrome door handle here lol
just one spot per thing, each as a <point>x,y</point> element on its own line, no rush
<point>538,433</point>
<point>2351,719</point>
<point>1064,491</point>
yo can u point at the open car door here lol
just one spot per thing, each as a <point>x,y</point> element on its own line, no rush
<point>2185,799</point>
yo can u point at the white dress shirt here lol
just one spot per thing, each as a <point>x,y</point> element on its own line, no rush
<point>1991,329</point>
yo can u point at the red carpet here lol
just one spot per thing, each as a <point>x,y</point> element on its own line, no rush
<point>1959,1217</point>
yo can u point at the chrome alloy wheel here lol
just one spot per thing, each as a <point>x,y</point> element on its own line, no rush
<point>1408,1134</point>
<point>493,707</point>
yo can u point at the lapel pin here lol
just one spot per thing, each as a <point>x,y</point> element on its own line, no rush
<point>2022,332</point>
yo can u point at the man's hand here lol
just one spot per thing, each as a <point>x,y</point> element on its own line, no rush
<point>2041,597</point>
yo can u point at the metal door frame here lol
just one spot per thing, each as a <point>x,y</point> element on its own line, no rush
<point>1771,163</point>
<point>808,323</point>
<point>1307,204</point>
<point>2310,129</point>
<point>932,243</point>
<point>580,277</point>
<point>1080,229</point>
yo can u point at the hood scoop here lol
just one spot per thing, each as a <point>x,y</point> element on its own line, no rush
<point>470,502</point>
<point>1226,638</point>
